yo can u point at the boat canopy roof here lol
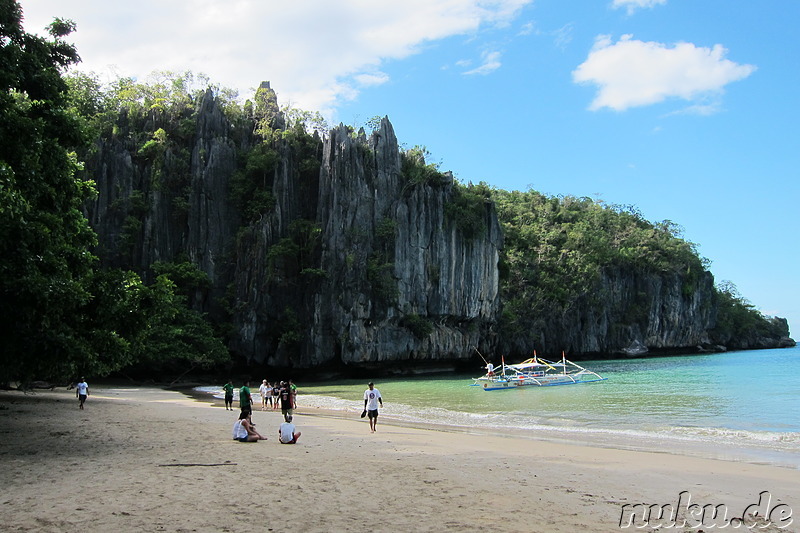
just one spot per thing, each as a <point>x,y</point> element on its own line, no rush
<point>530,364</point>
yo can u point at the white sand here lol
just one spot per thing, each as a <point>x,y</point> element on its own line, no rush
<point>154,460</point>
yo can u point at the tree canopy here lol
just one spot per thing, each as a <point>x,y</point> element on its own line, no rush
<point>45,263</point>
<point>61,315</point>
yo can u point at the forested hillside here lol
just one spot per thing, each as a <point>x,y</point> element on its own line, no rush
<point>165,225</point>
<point>600,277</point>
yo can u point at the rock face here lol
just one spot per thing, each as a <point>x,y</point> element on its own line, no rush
<point>352,263</point>
<point>631,313</point>
<point>436,274</point>
<point>392,279</point>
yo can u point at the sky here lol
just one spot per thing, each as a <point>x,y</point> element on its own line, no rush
<point>686,109</point>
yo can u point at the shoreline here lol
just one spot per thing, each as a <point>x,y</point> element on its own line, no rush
<point>641,441</point>
<point>105,467</point>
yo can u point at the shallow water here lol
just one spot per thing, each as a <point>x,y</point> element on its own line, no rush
<point>741,405</point>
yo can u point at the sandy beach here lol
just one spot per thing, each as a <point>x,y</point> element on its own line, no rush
<point>146,459</point>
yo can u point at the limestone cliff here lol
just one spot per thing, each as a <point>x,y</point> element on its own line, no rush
<point>347,259</point>
<point>385,278</point>
<point>629,312</point>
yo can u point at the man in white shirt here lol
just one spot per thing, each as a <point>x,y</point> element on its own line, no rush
<point>372,397</point>
<point>287,433</point>
<point>82,391</point>
<point>263,390</point>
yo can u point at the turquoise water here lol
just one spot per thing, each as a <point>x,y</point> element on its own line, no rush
<point>743,405</point>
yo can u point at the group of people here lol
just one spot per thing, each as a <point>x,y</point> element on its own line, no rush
<point>244,428</point>
<point>280,392</point>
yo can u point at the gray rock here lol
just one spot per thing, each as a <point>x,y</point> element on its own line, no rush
<point>380,275</point>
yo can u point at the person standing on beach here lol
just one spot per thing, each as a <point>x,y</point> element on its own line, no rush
<point>372,397</point>
<point>287,401</point>
<point>82,391</point>
<point>276,394</point>
<point>264,390</point>
<point>228,388</point>
<point>245,399</point>
<point>294,394</point>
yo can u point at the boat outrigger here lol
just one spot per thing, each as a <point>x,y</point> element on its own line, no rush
<point>535,371</point>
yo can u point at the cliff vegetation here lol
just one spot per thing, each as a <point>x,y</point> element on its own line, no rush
<point>162,226</point>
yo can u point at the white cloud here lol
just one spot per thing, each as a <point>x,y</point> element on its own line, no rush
<point>563,35</point>
<point>371,79</point>
<point>490,63</point>
<point>632,73</point>
<point>633,5</point>
<point>528,28</point>
<point>315,52</point>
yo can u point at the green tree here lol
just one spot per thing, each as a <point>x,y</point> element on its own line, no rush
<point>45,263</point>
<point>739,320</point>
<point>172,336</point>
<point>60,315</point>
<point>556,248</point>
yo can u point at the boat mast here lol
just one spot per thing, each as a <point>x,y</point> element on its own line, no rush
<point>482,357</point>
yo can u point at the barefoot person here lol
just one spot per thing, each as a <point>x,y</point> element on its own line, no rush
<point>264,389</point>
<point>287,401</point>
<point>244,430</point>
<point>245,398</point>
<point>228,388</point>
<point>287,433</point>
<point>276,394</point>
<point>372,397</point>
<point>82,391</point>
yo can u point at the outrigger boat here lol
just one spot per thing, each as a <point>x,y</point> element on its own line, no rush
<point>535,371</point>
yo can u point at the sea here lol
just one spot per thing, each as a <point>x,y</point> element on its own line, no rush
<point>742,405</point>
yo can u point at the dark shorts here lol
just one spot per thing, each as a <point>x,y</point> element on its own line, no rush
<point>82,397</point>
<point>243,439</point>
<point>373,413</point>
<point>228,399</point>
<point>248,409</point>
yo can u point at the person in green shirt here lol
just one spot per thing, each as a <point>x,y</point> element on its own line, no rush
<point>228,388</point>
<point>294,394</point>
<point>245,399</point>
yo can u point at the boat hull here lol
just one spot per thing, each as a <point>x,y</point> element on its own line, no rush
<point>545,381</point>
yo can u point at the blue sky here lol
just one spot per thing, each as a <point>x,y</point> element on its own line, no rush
<point>686,109</point>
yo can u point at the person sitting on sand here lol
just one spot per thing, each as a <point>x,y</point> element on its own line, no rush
<point>244,430</point>
<point>287,433</point>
